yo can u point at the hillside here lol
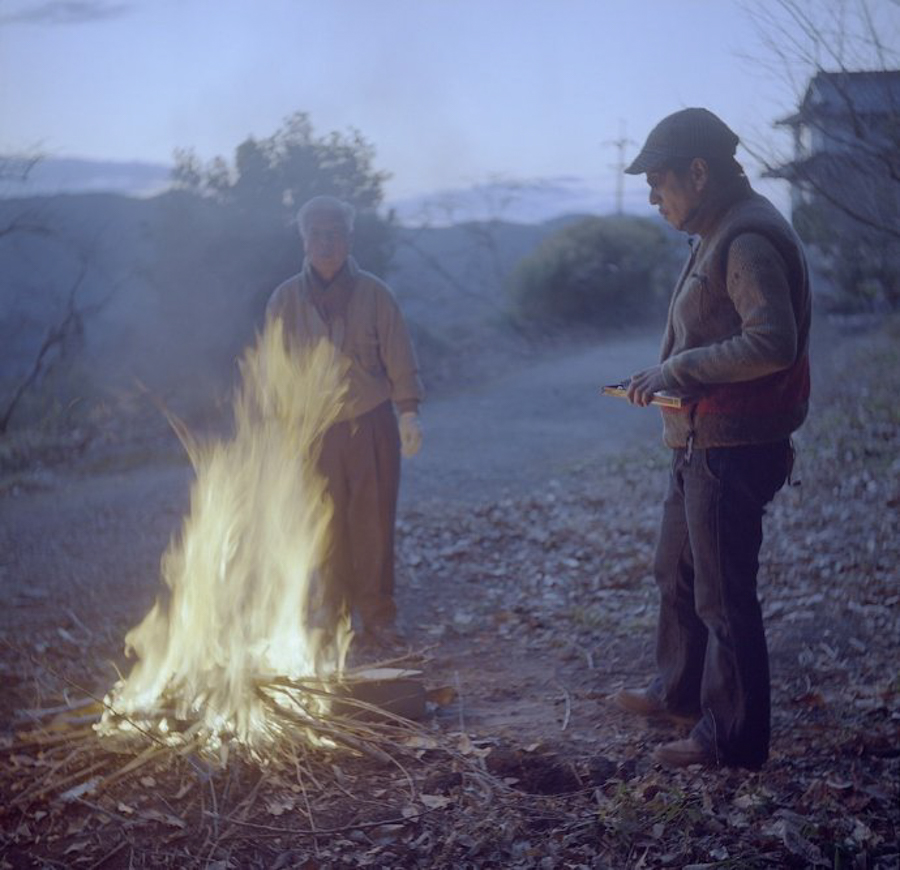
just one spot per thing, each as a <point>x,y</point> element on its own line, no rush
<point>170,296</point>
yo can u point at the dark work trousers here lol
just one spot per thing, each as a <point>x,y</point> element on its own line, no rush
<point>360,461</point>
<point>711,645</point>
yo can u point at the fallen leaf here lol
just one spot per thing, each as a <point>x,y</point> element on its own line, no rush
<point>864,835</point>
<point>385,834</point>
<point>280,806</point>
<point>77,826</point>
<point>77,847</point>
<point>165,818</point>
<point>747,801</point>
<point>464,745</point>
<point>339,775</point>
<point>68,636</point>
<point>420,741</point>
<point>79,790</point>
<point>434,801</point>
<point>442,696</point>
<point>798,845</point>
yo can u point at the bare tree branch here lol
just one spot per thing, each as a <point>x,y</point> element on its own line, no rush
<point>72,322</point>
<point>19,225</point>
<point>18,168</point>
<point>69,323</point>
<point>845,169</point>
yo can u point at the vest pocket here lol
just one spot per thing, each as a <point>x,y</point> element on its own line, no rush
<point>694,304</point>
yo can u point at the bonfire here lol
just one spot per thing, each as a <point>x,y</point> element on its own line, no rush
<point>240,610</point>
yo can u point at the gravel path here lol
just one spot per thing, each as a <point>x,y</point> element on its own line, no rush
<point>515,432</point>
<point>79,554</point>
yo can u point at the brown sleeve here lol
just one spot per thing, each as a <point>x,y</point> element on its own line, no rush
<point>397,353</point>
<point>757,284</point>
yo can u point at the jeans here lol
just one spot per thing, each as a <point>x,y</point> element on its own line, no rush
<point>711,646</point>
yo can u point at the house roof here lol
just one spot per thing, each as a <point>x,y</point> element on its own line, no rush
<point>867,92</point>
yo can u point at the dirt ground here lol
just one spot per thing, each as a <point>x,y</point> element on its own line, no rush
<point>525,541</point>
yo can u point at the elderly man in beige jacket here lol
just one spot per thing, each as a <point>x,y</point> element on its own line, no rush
<point>333,298</point>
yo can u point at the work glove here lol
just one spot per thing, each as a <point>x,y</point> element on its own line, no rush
<point>410,433</point>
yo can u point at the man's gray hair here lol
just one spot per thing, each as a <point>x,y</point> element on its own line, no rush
<point>325,205</point>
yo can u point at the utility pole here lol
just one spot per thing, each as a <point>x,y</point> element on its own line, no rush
<point>620,144</point>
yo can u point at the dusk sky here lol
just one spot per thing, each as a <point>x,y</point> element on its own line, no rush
<point>450,92</point>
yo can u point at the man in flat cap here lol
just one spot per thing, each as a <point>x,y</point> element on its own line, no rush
<point>736,349</point>
<point>333,298</point>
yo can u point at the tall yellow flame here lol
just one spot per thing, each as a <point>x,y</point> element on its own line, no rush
<point>241,579</point>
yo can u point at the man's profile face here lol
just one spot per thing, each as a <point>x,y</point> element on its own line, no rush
<point>326,243</point>
<point>676,196</point>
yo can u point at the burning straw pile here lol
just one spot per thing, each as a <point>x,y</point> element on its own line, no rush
<point>240,601</point>
<point>355,783</point>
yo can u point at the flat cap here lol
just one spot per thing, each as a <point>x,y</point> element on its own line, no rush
<point>684,135</point>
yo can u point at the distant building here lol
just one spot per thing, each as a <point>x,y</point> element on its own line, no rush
<point>845,176</point>
<point>847,122</point>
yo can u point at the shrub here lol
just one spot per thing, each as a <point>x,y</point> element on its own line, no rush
<point>862,263</point>
<point>600,271</point>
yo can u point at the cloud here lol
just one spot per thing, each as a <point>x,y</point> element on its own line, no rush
<point>65,12</point>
